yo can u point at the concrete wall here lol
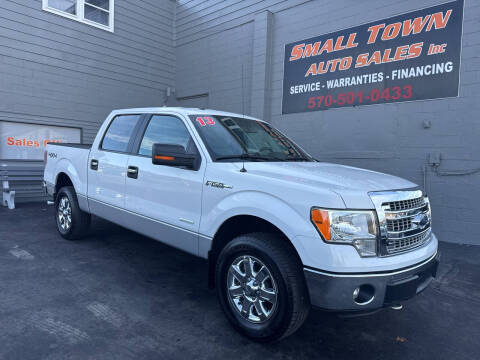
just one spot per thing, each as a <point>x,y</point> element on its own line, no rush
<point>215,40</point>
<point>389,137</point>
<point>208,69</point>
<point>61,72</point>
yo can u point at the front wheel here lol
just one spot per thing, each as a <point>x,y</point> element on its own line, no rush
<point>72,222</point>
<point>261,287</point>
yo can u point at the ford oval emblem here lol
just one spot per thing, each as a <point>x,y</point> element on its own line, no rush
<point>420,221</point>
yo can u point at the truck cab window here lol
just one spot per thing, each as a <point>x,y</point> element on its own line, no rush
<point>119,133</point>
<point>164,129</point>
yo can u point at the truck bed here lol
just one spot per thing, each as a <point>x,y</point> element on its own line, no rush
<point>68,158</point>
<point>74,145</point>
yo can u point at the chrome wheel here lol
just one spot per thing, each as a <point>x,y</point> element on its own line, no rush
<point>251,288</point>
<point>64,213</point>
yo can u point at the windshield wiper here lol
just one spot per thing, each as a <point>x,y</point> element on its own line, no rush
<point>245,157</point>
<point>261,158</point>
<point>297,159</point>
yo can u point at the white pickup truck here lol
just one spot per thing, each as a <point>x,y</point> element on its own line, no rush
<point>281,231</point>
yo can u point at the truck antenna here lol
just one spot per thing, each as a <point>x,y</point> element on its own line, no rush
<point>243,92</point>
<point>243,114</point>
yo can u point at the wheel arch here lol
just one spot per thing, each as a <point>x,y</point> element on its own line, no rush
<point>62,180</point>
<point>240,225</point>
<point>65,168</point>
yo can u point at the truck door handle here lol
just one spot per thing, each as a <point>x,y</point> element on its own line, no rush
<point>94,164</point>
<point>132,172</point>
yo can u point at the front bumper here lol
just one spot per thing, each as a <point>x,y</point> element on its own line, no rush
<point>335,291</point>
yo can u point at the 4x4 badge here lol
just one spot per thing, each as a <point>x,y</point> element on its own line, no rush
<point>218,185</point>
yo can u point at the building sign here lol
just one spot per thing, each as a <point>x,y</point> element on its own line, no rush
<point>27,141</point>
<point>414,56</point>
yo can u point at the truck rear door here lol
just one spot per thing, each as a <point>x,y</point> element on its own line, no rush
<point>107,164</point>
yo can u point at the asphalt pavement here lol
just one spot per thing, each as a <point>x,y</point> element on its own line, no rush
<point>119,295</point>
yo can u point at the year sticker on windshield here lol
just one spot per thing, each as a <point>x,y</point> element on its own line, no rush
<point>206,120</point>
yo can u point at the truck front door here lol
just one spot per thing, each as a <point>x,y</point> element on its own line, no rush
<point>166,200</point>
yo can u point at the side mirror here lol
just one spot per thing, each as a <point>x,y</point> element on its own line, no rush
<point>174,155</point>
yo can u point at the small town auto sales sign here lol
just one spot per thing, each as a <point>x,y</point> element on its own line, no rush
<point>413,56</point>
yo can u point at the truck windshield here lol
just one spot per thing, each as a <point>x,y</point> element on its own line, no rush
<point>238,139</point>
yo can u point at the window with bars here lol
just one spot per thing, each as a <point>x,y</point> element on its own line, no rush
<point>98,13</point>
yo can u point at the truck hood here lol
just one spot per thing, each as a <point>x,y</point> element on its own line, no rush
<point>351,183</point>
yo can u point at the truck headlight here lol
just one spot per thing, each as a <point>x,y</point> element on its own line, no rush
<point>352,227</point>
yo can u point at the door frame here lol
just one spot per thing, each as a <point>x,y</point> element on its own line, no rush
<point>145,121</point>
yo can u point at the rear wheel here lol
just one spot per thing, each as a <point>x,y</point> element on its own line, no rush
<point>261,287</point>
<point>72,222</point>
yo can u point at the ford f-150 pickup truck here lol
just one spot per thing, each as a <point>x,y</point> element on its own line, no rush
<point>281,231</point>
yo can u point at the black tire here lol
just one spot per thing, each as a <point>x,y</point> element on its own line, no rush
<point>80,220</point>
<point>292,301</point>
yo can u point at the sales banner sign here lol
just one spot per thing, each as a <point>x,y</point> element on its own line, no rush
<point>413,56</point>
<point>27,141</point>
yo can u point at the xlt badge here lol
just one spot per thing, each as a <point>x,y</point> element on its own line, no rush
<point>218,185</point>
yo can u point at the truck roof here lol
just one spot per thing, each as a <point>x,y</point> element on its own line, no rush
<point>183,110</point>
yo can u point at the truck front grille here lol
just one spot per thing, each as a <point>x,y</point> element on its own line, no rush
<point>405,221</point>
<point>407,243</point>
<point>399,225</point>
<point>405,204</point>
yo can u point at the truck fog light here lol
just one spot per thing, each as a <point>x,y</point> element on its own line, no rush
<point>364,294</point>
<point>366,247</point>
